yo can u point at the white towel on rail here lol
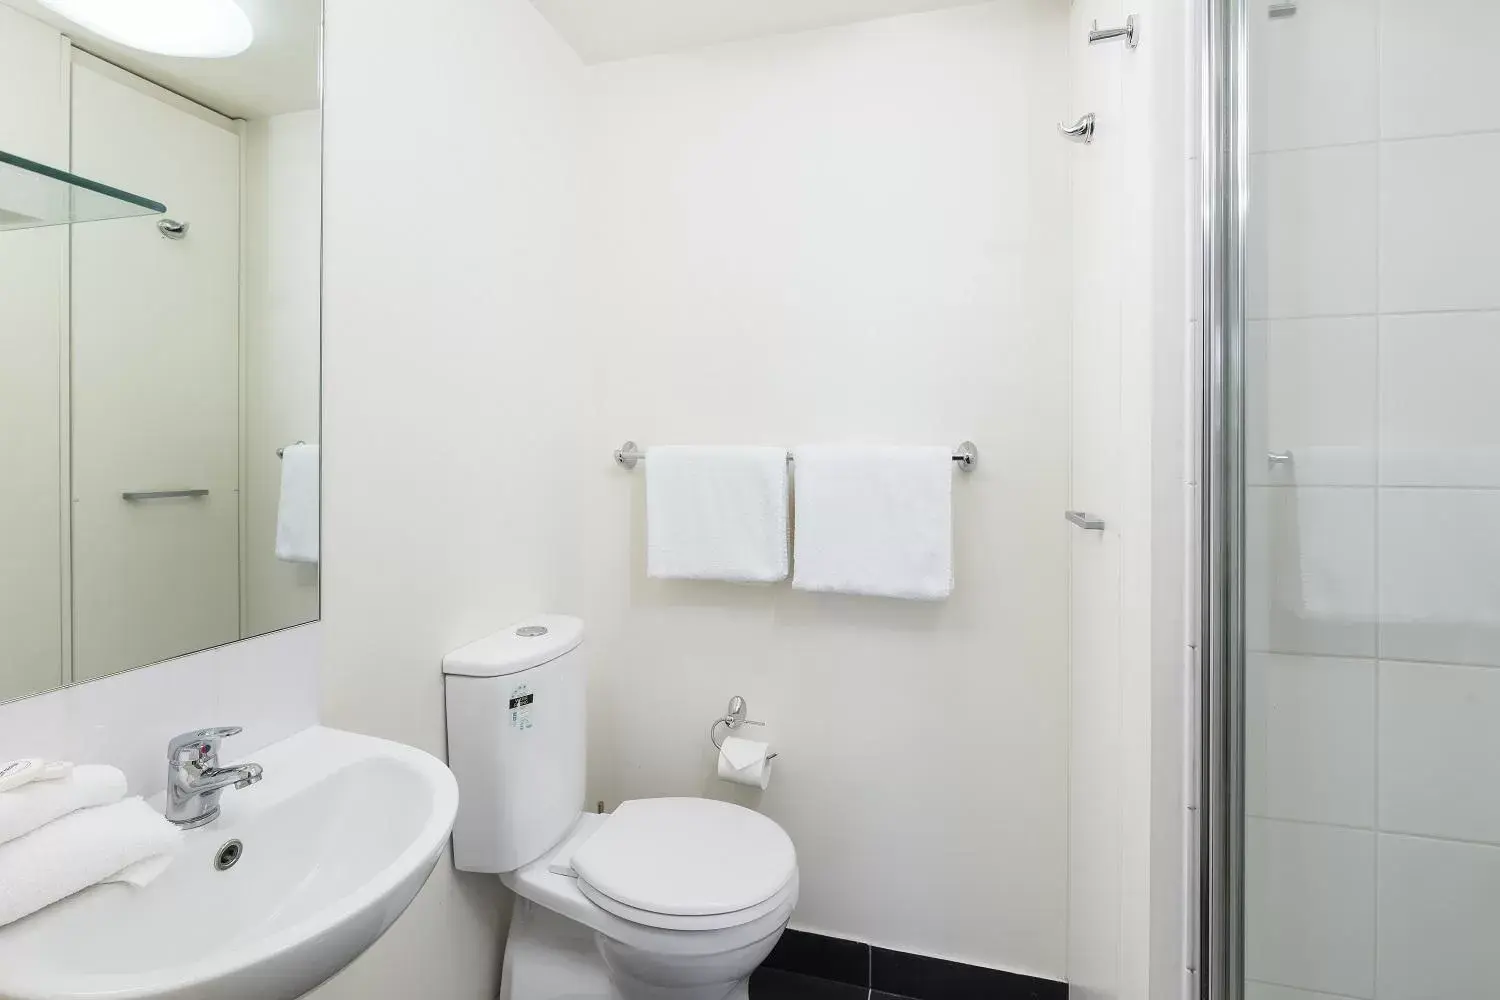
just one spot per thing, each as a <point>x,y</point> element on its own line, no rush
<point>297,513</point>
<point>39,803</point>
<point>716,513</point>
<point>123,842</point>
<point>876,521</point>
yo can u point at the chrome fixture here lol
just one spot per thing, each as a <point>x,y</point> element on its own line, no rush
<point>966,455</point>
<point>1279,458</point>
<point>195,780</point>
<point>172,229</point>
<point>1282,9</point>
<point>280,452</point>
<point>734,718</point>
<point>1087,522</point>
<point>1131,32</point>
<point>1081,130</point>
<point>134,495</point>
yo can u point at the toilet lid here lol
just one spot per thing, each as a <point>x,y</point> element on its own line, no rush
<point>690,857</point>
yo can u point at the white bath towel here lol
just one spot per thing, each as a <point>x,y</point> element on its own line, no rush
<point>875,521</point>
<point>123,842</point>
<point>297,513</point>
<point>716,513</point>
<point>39,803</point>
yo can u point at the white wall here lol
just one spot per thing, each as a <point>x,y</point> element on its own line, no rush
<point>1374,339</point>
<point>280,350</point>
<point>1130,332</point>
<point>453,392</point>
<point>857,233</point>
<point>33,124</point>
<point>267,685</point>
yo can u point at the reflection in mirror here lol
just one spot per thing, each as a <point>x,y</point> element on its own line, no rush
<point>159,374</point>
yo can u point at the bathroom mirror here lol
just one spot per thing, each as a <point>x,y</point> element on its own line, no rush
<point>159,374</point>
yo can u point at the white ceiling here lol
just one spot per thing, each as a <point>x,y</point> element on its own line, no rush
<point>601,30</point>
<point>278,73</point>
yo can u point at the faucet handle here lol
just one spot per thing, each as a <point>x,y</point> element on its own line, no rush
<point>203,742</point>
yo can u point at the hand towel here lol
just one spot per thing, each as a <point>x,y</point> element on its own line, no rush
<point>716,513</point>
<point>125,841</point>
<point>39,803</point>
<point>297,513</point>
<point>874,521</point>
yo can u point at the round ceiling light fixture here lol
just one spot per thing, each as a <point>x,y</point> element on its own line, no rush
<point>199,29</point>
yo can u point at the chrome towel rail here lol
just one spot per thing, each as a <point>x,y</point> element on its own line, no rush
<point>134,495</point>
<point>280,452</point>
<point>629,453</point>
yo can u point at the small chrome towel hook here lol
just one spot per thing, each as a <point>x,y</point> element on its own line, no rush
<point>1131,32</point>
<point>1080,131</point>
<point>734,718</point>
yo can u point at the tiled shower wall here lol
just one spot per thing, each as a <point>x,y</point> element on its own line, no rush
<point>1373,590</point>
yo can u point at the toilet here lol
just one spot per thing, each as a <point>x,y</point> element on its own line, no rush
<point>663,899</point>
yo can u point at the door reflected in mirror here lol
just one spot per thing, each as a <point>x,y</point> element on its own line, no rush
<point>159,374</point>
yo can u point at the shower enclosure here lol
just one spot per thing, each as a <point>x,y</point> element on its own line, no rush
<point>1350,801</point>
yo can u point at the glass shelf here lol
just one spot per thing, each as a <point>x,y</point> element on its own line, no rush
<point>34,194</point>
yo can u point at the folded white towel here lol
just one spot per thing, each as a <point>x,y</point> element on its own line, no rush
<point>875,521</point>
<point>716,513</point>
<point>297,513</point>
<point>39,803</point>
<point>123,842</point>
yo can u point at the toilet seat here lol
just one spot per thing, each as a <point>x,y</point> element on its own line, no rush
<point>686,864</point>
<point>676,922</point>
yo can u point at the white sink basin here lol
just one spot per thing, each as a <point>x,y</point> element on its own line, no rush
<point>338,838</point>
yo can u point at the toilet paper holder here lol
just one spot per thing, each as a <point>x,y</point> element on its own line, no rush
<point>734,718</point>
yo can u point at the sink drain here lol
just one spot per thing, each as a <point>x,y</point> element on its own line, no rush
<point>228,855</point>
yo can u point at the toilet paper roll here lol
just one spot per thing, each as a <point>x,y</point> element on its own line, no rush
<point>744,762</point>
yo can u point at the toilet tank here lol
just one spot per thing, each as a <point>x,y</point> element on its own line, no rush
<point>516,741</point>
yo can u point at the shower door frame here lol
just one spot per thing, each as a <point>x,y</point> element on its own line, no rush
<point>1221,647</point>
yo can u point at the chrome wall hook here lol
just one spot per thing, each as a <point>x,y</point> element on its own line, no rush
<point>1081,130</point>
<point>172,229</point>
<point>1131,32</point>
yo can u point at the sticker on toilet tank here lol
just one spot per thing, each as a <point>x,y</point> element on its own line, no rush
<point>520,707</point>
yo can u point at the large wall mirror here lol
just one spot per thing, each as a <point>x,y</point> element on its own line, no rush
<point>159,370</point>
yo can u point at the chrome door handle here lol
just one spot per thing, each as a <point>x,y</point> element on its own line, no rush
<point>134,495</point>
<point>1085,521</point>
<point>1080,131</point>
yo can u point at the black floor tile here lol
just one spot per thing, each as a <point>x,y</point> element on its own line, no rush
<point>929,978</point>
<point>824,957</point>
<point>778,984</point>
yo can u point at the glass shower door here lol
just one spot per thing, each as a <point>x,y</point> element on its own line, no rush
<point>1367,603</point>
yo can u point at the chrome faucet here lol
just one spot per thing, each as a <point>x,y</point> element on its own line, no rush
<point>195,780</point>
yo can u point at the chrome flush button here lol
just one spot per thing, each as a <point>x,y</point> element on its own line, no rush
<point>531,631</point>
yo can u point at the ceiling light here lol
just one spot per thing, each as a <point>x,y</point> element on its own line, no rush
<point>203,29</point>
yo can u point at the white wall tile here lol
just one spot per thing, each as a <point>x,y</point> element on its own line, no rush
<point>1438,407</point>
<point>1313,76</point>
<point>1310,744</point>
<point>1310,906</point>
<point>1336,528</point>
<point>1311,391</point>
<point>1439,220</point>
<point>1439,923</point>
<point>1440,575</point>
<point>1310,241</point>
<point>1438,71</point>
<point>1440,750</point>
